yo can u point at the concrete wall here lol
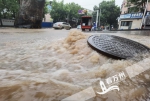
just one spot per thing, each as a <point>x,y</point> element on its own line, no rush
<point>7,22</point>
<point>123,27</point>
<point>138,32</point>
<point>47,18</point>
<point>136,24</point>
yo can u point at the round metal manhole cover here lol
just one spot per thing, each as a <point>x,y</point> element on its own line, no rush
<point>116,47</point>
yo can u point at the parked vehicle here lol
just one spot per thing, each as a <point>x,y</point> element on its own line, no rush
<point>86,23</point>
<point>67,26</point>
<point>79,27</point>
<point>61,25</point>
<point>58,25</point>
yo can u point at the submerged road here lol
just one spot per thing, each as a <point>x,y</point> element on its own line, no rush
<point>27,35</point>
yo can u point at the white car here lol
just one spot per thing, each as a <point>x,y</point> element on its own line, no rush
<point>61,25</point>
<point>79,27</point>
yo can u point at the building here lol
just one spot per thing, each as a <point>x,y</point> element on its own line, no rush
<point>126,9</point>
<point>89,11</point>
<point>131,19</point>
<point>47,18</point>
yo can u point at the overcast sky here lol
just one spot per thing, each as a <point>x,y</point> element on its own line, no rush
<point>89,4</point>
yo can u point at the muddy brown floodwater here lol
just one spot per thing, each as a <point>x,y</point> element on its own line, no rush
<point>51,71</point>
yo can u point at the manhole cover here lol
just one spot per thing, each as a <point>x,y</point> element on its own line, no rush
<point>116,47</point>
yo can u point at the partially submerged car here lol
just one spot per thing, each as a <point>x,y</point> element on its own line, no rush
<point>79,27</point>
<point>61,25</point>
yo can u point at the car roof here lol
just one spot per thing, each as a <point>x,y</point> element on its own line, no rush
<point>60,22</point>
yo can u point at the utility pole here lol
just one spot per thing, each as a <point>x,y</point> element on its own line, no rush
<point>144,15</point>
<point>99,15</point>
<point>68,18</point>
<point>97,18</point>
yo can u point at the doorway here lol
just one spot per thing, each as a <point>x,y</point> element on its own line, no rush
<point>130,24</point>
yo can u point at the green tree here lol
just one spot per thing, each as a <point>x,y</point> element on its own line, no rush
<point>8,8</point>
<point>109,13</point>
<point>57,12</point>
<point>73,10</point>
<point>61,11</point>
<point>139,5</point>
<point>46,10</point>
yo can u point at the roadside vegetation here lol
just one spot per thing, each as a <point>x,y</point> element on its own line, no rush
<point>9,8</point>
<point>108,13</point>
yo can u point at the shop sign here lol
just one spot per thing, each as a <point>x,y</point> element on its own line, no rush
<point>137,15</point>
<point>132,15</point>
<point>124,16</point>
<point>82,11</point>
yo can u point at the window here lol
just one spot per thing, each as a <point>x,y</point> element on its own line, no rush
<point>125,23</point>
<point>64,23</point>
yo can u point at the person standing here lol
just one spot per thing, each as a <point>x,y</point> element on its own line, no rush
<point>94,25</point>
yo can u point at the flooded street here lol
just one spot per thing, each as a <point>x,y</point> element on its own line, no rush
<point>50,65</point>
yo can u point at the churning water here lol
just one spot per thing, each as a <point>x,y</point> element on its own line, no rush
<point>51,71</point>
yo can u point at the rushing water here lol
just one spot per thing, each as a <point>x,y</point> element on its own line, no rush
<point>45,71</point>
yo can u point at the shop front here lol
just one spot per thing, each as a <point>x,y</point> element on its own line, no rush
<point>132,20</point>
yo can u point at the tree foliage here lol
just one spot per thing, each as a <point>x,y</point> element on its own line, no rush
<point>61,11</point>
<point>8,8</point>
<point>46,10</point>
<point>139,5</point>
<point>109,13</point>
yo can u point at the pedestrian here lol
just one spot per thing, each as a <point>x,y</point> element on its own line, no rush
<point>94,26</point>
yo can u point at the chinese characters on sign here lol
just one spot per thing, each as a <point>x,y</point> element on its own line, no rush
<point>137,15</point>
<point>116,78</point>
<point>111,80</point>
<point>132,15</point>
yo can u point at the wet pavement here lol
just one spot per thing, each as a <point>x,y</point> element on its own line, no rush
<point>23,35</point>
